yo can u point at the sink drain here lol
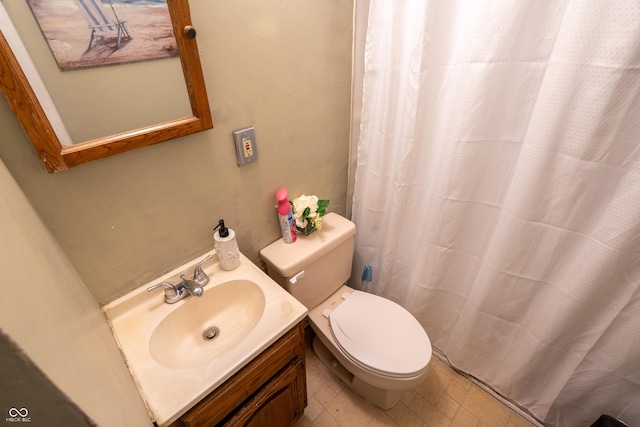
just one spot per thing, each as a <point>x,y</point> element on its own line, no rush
<point>210,333</point>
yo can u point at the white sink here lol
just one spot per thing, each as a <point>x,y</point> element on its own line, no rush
<point>174,365</point>
<point>232,308</point>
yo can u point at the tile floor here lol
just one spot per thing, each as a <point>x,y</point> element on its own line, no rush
<point>444,399</point>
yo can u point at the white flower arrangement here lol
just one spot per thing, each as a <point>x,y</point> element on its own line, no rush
<point>308,212</point>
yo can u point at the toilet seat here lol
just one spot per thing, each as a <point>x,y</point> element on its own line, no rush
<point>381,335</point>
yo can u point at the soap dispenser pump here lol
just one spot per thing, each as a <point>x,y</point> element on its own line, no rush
<point>226,246</point>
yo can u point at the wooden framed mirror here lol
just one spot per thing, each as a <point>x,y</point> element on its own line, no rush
<point>39,120</point>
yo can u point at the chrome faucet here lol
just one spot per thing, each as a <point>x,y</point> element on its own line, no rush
<point>191,286</point>
<point>174,293</point>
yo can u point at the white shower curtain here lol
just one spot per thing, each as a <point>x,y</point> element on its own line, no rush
<point>497,192</point>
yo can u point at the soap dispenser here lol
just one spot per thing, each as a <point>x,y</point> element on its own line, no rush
<point>226,246</point>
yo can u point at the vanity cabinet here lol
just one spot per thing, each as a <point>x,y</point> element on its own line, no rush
<point>269,391</point>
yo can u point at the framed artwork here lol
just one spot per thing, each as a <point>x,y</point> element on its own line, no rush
<point>93,33</point>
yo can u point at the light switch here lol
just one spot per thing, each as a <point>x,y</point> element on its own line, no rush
<point>246,149</point>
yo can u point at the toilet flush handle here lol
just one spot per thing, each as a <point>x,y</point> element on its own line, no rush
<point>296,277</point>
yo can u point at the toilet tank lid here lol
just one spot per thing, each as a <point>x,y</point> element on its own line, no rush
<point>289,259</point>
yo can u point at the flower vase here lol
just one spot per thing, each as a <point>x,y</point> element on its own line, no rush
<point>306,230</point>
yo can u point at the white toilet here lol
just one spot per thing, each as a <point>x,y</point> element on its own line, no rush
<point>373,345</point>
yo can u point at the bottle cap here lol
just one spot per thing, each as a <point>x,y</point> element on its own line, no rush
<point>283,202</point>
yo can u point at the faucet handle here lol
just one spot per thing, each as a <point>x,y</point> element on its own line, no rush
<point>199,276</point>
<point>170,291</point>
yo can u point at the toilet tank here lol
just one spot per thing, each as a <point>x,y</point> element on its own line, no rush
<point>314,266</point>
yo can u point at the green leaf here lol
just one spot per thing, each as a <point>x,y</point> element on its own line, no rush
<point>306,212</point>
<point>322,207</point>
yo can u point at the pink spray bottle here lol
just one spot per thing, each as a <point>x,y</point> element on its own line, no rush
<point>285,215</point>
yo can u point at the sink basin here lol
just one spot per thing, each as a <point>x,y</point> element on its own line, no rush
<point>243,311</point>
<point>230,311</point>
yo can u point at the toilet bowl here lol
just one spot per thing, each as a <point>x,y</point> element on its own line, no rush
<point>373,345</point>
<point>382,361</point>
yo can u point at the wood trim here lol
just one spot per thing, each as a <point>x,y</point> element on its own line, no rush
<point>190,60</point>
<point>25,105</point>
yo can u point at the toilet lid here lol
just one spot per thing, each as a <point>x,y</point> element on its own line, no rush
<point>380,334</point>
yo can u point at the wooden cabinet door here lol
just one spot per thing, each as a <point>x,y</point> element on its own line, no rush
<point>280,402</point>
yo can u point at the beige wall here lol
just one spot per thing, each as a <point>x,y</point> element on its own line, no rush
<point>281,66</point>
<point>49,313</point>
